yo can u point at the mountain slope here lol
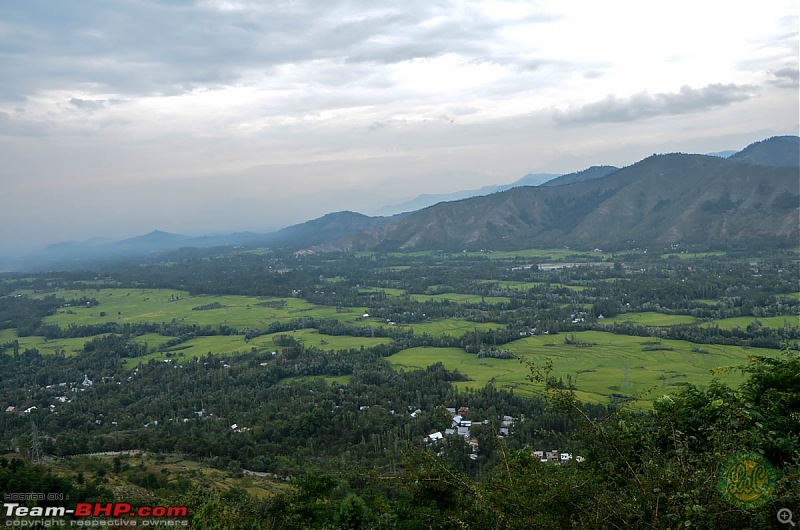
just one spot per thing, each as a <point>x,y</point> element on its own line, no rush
<point>594,172</point>
<point>425,200</point>
<point>783,151</point>
<point>329,227</point>
<point>692,199</point>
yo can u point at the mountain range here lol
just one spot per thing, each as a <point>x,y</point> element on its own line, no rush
<point>426,199</point>
<point>750,199</point>
<point>664,199</point>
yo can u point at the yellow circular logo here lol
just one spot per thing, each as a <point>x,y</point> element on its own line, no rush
<point>747,480</point>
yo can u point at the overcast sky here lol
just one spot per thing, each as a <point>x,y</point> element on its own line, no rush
<point>118,117</point>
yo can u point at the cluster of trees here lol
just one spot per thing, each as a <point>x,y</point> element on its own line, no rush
<point>658,469</point>
<point>340,423</point>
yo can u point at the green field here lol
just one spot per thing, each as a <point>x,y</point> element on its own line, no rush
<point>613,364</point>
<point>769,322</point>
<point>152,340</point>
<point>386,290</point>
<point>691,255</point>
<point>166,305</point>
<point>460,298</point>
<point>454,327</point>
<point>554,254</point>
<point>232,344</point>
<point>45,346</point>
<point>328,379</point>
<point>653,319</point>
<point>526,286</point>
<point>191,349</point>
<point>707,301</point>
<point>311,337</point>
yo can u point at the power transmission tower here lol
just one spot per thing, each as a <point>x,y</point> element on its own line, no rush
<point>36,444</point>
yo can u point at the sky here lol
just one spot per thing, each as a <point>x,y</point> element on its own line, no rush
<point>118,117</point>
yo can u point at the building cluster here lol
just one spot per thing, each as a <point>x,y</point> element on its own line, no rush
<point>554,456</point>
<point>56,388</point>
<point>461,426</point>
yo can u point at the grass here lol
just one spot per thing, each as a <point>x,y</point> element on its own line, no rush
<point>614,364</point>
<point>526,286</point>
<point>653,319</point>
<point>556,254</point>
<point>386,290</point>
<point>191,349</point>
<point>172,468</point>
<point>46,347</point>
<point>311,337</point>
<point>454,327</point>
<point>460,298</point>
<point>329,380</point>
<point>691,255</point>
<point>233,344</point>
<point>167,305</point>
<point>152,340</point>
<point>792,321</point>
<point>544,253</point>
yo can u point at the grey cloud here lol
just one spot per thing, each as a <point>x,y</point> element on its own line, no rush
<point>642,106</point>
<point>396,53</point>
<point>88,104</point>
<point>155,47</point>
<point>466,36</point>
<point>11,126</point>
<point>787,77</point>
<point>167,48</point>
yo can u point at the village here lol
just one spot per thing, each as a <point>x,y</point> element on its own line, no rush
<point>461,427</point>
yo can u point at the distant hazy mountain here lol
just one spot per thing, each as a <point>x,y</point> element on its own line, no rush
<point>71,255</point>
<point>750,199</point>
<point>329,227</point>
<point>594,172</point>
<point>783,151</point>
<point>425,200</point>
<point>664,199</point>
<point>722,154</point>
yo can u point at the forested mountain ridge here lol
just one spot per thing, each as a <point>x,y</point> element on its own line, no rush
<point>661,200</point>
<point>781,151</point>
<point>748,200</point>
<point>594,172</point>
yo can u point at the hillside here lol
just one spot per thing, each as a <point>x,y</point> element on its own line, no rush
<point>326,228</point>
<point>594,172</point>
<point>691,199</point>
<point>426,199</point>
<point>783,151</point>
